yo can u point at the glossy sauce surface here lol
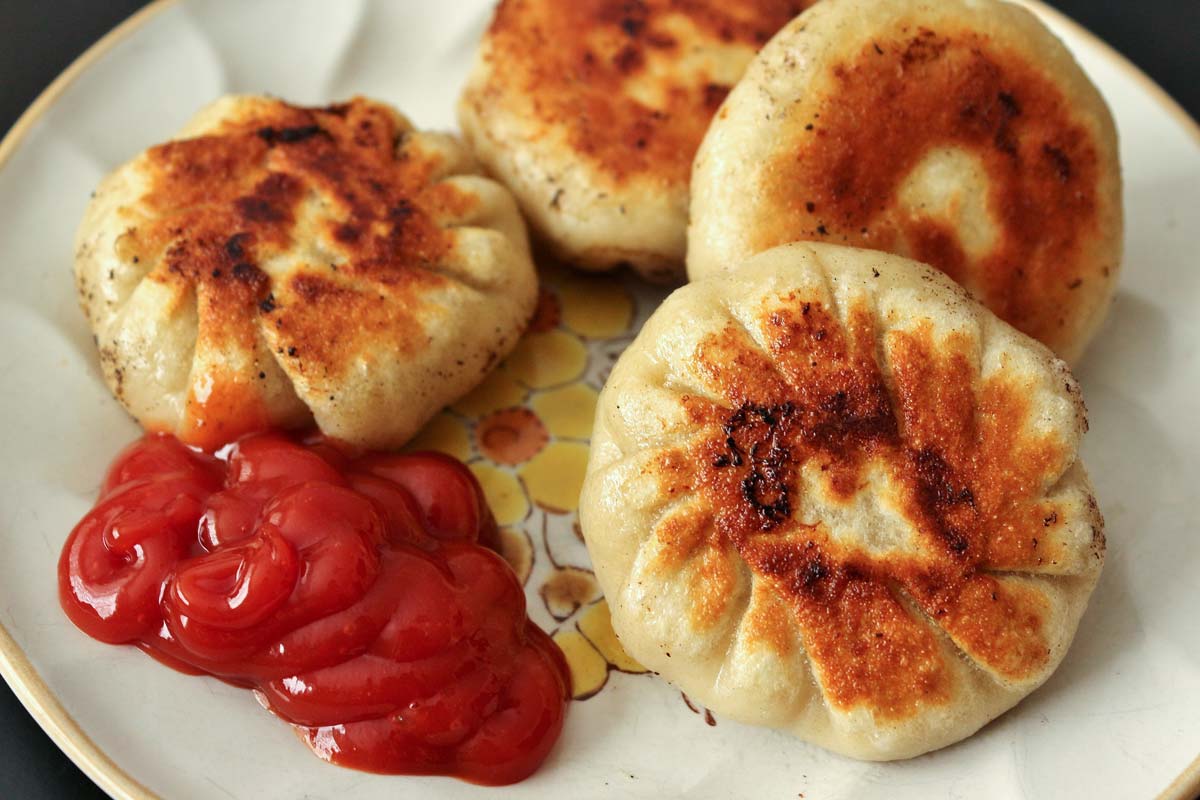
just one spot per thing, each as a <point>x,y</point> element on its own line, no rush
<point>357,596</point>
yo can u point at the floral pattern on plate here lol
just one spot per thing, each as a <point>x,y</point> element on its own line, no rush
<point>525,431</point>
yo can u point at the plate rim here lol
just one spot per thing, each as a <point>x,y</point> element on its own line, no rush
<point>23,678</point>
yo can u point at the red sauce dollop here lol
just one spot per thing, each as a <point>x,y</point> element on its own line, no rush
<point>354,594</point>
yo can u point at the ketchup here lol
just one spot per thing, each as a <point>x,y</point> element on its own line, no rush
<point>355,595</point>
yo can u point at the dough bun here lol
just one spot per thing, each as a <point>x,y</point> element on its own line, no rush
<point>275,265</point>
<point>591,112</point>
<point>830,493</point>
<point>960,133</point>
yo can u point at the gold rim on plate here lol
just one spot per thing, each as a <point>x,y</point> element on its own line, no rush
<point>15,666</point>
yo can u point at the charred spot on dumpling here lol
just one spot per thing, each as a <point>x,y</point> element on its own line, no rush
<point>332,232</point>
<point>756,436</point>
<point>290,135</point>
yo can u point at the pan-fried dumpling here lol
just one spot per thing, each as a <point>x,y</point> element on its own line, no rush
<point>274,264</point>
<point>830,493</point>
<point>960,133</point>
<point>591,111</point>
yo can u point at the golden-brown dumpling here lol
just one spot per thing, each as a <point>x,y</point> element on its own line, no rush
<point>960,133</point>
<point>274,264</point>
<point>830,493</point>
<point>591,111</point>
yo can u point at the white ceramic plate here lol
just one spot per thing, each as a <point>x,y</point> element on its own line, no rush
<point>1120,719</point>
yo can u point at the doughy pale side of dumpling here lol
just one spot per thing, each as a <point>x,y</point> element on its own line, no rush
<point>274,264</point>
<point>591,111</point>
<point>828,492</point>
<point>960,133</point>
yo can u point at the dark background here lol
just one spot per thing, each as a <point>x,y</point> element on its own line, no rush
<point>39,39</point>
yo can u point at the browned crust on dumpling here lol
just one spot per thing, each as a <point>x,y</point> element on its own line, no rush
<point>961,133</point>
<point>575,58</point>
<point>831,493</point>
<point>357,225</point>
<point>591,113</point>
<point>899,98</point>
<point>971,481</point>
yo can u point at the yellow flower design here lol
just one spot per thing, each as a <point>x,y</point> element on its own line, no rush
<point>569,411</point>
<point>555,475</point>
<point>524,432</point>
<point>595,307</point>
<point>593,651</point>
<point>504,493</point>
<point>542,360</point>
<point>517,551</point>
<point>511,435</point>
<point>446,434</point>
<point>498,390</point>
<point>567,590</point>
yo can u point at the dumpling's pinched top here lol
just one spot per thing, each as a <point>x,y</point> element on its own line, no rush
<point>959,133</point>
<point>591,111</point>
<point>829,492</point>
<point>275,264</point>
